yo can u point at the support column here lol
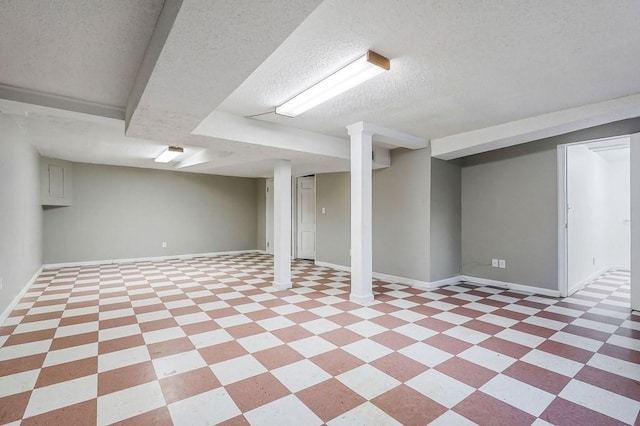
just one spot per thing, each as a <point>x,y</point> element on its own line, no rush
<point>361,229</point>
<point>282,224</point>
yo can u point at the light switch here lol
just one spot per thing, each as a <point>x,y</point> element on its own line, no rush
<point>323,210</point>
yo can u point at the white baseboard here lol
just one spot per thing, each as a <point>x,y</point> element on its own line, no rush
<point>512,286</point>
<point>5,314</point>
<point>587,280</point>
<point>426,285</point>
<point>145,259</point>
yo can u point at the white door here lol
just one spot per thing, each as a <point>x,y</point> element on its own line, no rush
<point>269,218</point>
<point>306,218</point>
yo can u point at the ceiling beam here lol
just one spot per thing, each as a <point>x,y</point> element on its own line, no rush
<point>390,137</point>
<point>50,100</point>
<point>535,128</point>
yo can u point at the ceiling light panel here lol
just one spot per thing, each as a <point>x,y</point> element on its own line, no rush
<point>357,72</point>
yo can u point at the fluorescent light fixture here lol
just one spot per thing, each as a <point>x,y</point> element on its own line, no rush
<point>357,72</point>
<point>169,154</point>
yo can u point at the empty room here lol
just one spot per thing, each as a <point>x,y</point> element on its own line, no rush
<point>311,212</point>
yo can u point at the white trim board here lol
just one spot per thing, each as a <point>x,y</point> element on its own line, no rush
<point>426,285</point>
<point>5,314</point>
<point>146,259</point>
<point>512,286</point>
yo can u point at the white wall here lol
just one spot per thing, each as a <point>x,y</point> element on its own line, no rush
<point>588,213</point>
<point>619,202</point>
<point>598,185</point>
<point>635,221</point>
<point>20,210</point>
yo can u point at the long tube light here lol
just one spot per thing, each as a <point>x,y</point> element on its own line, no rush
<point>362,69</point>
<point>169,154</point>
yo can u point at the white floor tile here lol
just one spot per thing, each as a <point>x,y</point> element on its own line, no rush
<point>208,408</point>
<point>366,328</point>
<point>518,394</point>
<point>415,331</point>
<point>466,334</point>
<point>117,332</point>
<point>19,382</point>
<point>312,346</point>
<point>259,342</point>
<point>24,349</point>
<point>600,400</point>
<point>368,381</point>
<point>521,338</point>
<point>36,326</point>
<point>364,414</point>
<point>440,388</point>
<point>615,366</point>
<point>193,318</point>
<point>275,323</point>
<point>62,394</point>
<point>553,363</point>
<point>123,358</point>
<point>451,418</point>
<point>71,354</point>
<point>232,320</point>
<point>287,411</point>
<point>319,326</point>
<point>163,335</point>
<point>210,338</point>
<point>498,320</point>
<point>425,354</point>
<point>129,402</point>
<point>489,359</point>
<point>237,369</point>
<point>452,318</point>
<point>300,375</point>
<point>178,363</point>
<point>71,330</point>
<point>577,341</point>
<point>367,350</point>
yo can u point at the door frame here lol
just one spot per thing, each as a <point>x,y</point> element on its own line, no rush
<point>563,217</point>
<point>296,212</point>
<point>268,207</point>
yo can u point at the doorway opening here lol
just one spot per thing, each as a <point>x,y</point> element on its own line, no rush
<point>594,212</point>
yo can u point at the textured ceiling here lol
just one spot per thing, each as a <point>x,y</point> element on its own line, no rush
<point>84,49</point>
<point>456,66</point>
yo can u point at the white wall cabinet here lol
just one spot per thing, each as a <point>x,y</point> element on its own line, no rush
<point>56,181</point>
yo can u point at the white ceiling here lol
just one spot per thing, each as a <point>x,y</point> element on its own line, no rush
<point>83,49</point>
<point>456,66</point>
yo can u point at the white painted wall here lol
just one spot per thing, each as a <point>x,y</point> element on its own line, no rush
<point>619,206</point>
<point>588,214</point>
<point>598,188</point>
<point>635,221</point>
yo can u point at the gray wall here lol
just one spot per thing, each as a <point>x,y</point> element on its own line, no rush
<point>333,229</point>
<point>509,208</point>
<point>20,211</point>
<point>446,219</point>
<point>400,216</point>
<point>261,214</point>
<point>125,212</point>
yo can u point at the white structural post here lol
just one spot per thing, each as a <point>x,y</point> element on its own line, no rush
<point>361,229</point>
<point>282,224</point>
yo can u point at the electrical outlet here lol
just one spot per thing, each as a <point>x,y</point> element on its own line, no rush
<point>494,263</point>
<point>0,283</point>
<point>323,211</point>
<point>503,264</point>
<point>164,244</point>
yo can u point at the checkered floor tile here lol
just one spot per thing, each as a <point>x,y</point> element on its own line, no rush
<point>209,340</point>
